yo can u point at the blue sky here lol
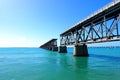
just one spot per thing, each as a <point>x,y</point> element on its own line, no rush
<point>30,23</point>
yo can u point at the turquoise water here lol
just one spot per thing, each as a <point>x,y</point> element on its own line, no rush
<point>40,64</point>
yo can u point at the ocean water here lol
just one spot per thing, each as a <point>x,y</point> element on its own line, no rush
<point>40,64</point>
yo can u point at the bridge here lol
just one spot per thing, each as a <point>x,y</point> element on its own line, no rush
<point>50,45</point>
<point>101,26</point>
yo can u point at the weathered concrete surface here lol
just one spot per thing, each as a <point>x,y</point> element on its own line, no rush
<point>54,48</point>
<point>62,49</point>
<point>81,50</point>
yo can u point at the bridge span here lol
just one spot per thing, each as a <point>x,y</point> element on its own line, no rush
<point>50,45</point>
<point>101,26</point>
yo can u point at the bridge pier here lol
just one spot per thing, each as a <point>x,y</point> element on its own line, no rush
<point>50,48</point>
<point>81,50</point>
<point>62,49</point>
<point>54,48</point>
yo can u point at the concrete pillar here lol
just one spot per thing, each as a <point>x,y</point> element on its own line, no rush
<point>50,48</point>
<point>62,49</point>
<point>54,48</point>
<point>81,50</point>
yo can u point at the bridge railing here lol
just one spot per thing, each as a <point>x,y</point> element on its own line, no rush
<point>100,10</point>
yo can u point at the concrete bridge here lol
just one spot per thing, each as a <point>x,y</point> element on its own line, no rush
<point>101,26</point>
<point>50,45</point>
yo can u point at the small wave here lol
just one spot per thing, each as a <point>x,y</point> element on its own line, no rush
<point>106,57</point>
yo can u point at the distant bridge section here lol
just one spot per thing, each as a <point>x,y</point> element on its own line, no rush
<point>102,26</point>
<point>50,45</point>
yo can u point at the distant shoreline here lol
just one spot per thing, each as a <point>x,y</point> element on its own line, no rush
<point>71,47</point>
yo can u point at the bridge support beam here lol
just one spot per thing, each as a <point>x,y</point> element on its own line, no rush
<point>81,50</point>
<point>62,49</point>
<point>54,48</point>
